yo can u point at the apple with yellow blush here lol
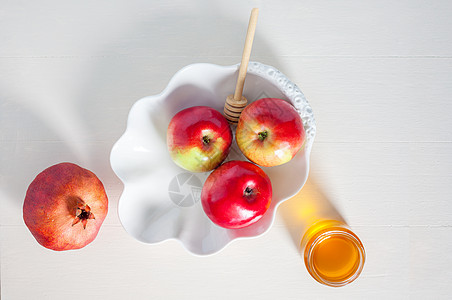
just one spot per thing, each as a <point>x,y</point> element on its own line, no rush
<point>270,132</point>
<point>199,138</point>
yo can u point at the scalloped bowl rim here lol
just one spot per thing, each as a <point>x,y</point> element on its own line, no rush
<point>172,83</point>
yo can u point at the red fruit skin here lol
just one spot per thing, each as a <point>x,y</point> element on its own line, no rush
<point>286,134</point>
<point>224,198</point>
<point>51,202</point>
<point>185,138</point>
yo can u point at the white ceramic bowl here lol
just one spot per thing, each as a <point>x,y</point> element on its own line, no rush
<point>160,200</point>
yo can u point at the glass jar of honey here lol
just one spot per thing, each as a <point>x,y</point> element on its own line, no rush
<point>333,254</point>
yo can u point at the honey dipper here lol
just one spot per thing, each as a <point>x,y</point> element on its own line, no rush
<point>236,103</point>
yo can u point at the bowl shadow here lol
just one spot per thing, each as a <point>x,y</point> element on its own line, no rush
<point>123,70</point>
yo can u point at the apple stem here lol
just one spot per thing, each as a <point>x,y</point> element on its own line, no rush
<point>206,140</point>
<point>248,191</point>
<point>262,135</point>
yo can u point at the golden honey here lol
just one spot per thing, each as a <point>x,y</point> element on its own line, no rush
<point>333,254</point>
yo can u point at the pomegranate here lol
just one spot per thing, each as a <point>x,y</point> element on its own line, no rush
<point>65,206</point>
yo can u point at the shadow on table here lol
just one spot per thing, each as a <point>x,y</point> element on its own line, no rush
<point>141,60</point>
<point>310,205</point>
<point>78,106</point>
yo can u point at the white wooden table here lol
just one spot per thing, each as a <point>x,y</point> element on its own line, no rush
<point>378,75</point>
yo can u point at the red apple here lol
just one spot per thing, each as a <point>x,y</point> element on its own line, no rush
<point>65,206</point>
<point>199,138</point>
<point>236,194</point>
<point>270,132</point>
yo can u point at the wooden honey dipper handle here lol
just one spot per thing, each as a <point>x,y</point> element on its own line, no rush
<point>236,103</point>
<point>246,54</point>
